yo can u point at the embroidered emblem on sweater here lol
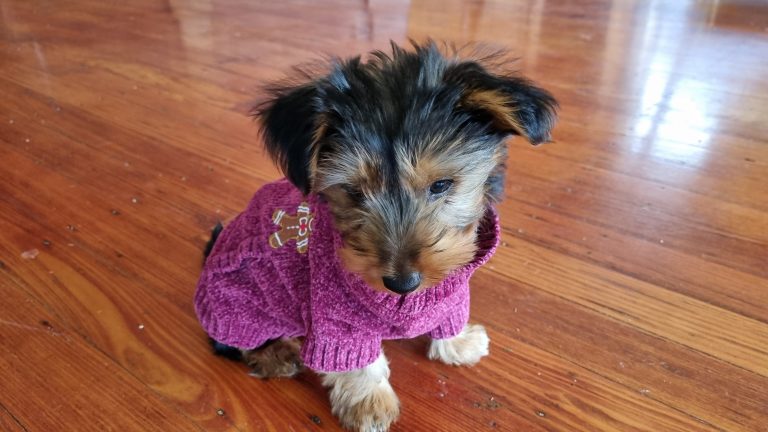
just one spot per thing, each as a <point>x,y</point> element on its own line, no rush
<point>295,228</point>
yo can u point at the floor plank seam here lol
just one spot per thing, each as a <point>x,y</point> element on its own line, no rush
<point>88,341</point>
<point>632,390</point>
<point>510,231</point>
<point>627,324</point>
<point>13,417</point>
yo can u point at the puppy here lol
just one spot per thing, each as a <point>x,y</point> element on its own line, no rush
<point>392,164</point>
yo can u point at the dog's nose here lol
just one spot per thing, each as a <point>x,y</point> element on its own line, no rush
<point>403,284</point>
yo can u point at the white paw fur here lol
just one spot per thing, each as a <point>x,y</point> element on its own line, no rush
<point>363,399</point>
<point>466,348</point>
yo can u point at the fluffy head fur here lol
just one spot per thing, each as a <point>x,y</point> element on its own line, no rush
<point>408,148</point>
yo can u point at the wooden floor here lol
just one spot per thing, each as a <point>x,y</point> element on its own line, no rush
<point>630,292</point>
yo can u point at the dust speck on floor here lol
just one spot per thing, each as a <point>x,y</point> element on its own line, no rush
<point>491,404</point>
<point>30,254</point>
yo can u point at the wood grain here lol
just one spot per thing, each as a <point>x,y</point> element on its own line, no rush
<point>630,292</point>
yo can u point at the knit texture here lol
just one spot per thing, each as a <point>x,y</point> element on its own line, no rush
<point>250,292</point>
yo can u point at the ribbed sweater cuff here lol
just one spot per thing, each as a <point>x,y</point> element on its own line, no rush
<point>339,356</point>
<point>451,326</point>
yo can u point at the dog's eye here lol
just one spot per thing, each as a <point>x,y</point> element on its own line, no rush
<point>440,187</point>
<point>354,193</point>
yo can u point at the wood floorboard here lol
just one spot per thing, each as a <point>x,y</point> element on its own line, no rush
<point>656,368</point>
<point>76,383</point>
<point>647,261</point>
<point>630,291</point>
<point>8,422</point>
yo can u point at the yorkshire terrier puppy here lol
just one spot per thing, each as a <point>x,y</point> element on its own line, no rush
<point>393,164</point>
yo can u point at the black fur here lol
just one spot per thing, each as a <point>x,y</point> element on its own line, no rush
<point>231,352</point>
<point>494,186</point>
<point>288,126</point>
<point>534,107</point>
<point>225,351</point>
<point>397,101</point>
<point>215,232</point>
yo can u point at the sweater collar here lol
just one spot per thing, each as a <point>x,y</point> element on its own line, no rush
<point>323,257</point>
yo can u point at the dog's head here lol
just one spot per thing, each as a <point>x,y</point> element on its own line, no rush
<point>408,148</point>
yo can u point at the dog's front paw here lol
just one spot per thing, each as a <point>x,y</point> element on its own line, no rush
<point>374,412</point>
<point>363,399</point>
<point>466,348</point>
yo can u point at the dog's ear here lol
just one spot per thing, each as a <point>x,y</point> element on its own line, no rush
<point>289,125</point>
<point>512,105</point>
<point>508,104</point>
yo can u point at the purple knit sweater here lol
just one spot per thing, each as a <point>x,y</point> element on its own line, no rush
<point>255,288</point>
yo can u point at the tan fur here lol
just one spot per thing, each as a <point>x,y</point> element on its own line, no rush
<point>278,359</point>
<point>498,105</point>
<point>451,251</point>
<point>365,266</point>
<point>363,399</point>
<point>465,349</point>
<point>321,129</point>
<point>440,233</point>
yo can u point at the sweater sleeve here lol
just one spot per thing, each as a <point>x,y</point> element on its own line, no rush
<point>453,322</point>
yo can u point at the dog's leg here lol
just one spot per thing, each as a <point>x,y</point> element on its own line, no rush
<point>362,399</point>
<point>466,348</point>
<point>278,358</point>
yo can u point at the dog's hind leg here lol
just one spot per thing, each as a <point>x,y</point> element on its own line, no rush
<point>276,358</point>
<point>226,351</point>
